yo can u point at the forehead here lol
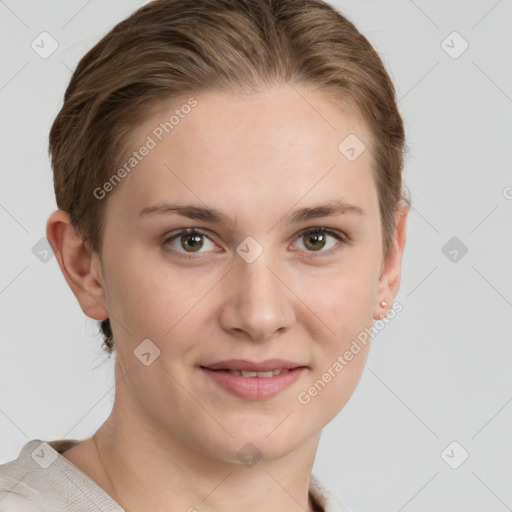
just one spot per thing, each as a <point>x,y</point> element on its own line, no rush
<point>283,144</point>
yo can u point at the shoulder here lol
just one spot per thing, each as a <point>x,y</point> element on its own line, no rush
<point>23,490</point>
<point>15,494</point>
<point>42,480</point>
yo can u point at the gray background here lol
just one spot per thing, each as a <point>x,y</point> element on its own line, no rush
<point>438,373</point>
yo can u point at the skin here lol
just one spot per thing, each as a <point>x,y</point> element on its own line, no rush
<point>173,434</point>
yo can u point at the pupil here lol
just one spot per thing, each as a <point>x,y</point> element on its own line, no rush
<point>196,241</point>
<point>315,238</point>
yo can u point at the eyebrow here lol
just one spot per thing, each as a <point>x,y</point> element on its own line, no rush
<point>331,208</point>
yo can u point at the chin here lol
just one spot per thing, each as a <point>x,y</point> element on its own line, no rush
<point>273,441</point>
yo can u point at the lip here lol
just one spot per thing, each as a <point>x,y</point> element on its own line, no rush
<point>254,388</point>
<point>253,366</point>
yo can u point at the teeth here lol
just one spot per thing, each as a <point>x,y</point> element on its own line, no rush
<point>267,374</point>
<point>249,374</point>
<point>277,371</point>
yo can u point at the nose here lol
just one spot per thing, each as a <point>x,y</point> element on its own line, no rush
<point>257,299</point>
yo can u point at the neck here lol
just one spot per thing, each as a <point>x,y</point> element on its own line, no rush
<point>149,469</point>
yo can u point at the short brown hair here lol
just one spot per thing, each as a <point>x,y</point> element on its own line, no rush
<point>168,48</point>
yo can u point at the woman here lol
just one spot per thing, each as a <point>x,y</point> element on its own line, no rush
<point>228,177</point>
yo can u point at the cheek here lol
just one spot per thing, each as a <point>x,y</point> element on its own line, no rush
<point>175,307</point>
<point>148,299</point>
<point>342,302</point>
<point>343,297</point>
<point>341,350</point>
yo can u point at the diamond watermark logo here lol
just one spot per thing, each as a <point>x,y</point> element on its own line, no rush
<point>249,454</point>
<point>249,249</point>
<point>351,147</point>
<point>454,45</point>
<point>44,45</point>
<point>146,352</point>
<point>44,455</point>
<point>42,250</point>
<point>454,249</point>
<point>454,455</point>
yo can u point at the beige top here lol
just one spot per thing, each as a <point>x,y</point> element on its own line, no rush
<point>42,480</point>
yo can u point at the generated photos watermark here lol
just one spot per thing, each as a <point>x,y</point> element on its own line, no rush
<point>305,397</point>
<point>152,140</point>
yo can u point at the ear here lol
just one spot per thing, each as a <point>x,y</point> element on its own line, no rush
<point>389,280</point>
<point>80,266</point>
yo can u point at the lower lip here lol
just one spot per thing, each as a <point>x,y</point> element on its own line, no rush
<point>254,388</point>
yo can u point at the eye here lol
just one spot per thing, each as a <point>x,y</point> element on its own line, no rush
<point>316,239</point>
<point>186,242</point>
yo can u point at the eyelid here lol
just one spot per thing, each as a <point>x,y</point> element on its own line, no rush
<point>323,229</point>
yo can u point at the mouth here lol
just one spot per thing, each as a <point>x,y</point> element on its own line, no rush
<point>254,381</point>
<point>246,373</point>
<point>269,365</point>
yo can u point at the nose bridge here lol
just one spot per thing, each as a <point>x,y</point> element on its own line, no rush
<point>259,280</point>
<point>260,303</point>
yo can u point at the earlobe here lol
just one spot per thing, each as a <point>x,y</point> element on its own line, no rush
<point>76,261</point>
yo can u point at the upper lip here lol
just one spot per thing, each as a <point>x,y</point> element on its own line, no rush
<point>253,366</point>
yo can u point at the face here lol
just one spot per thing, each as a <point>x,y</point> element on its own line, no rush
<point>250,285</point>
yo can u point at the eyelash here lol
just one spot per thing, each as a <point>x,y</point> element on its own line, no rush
<point>338,235</point>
